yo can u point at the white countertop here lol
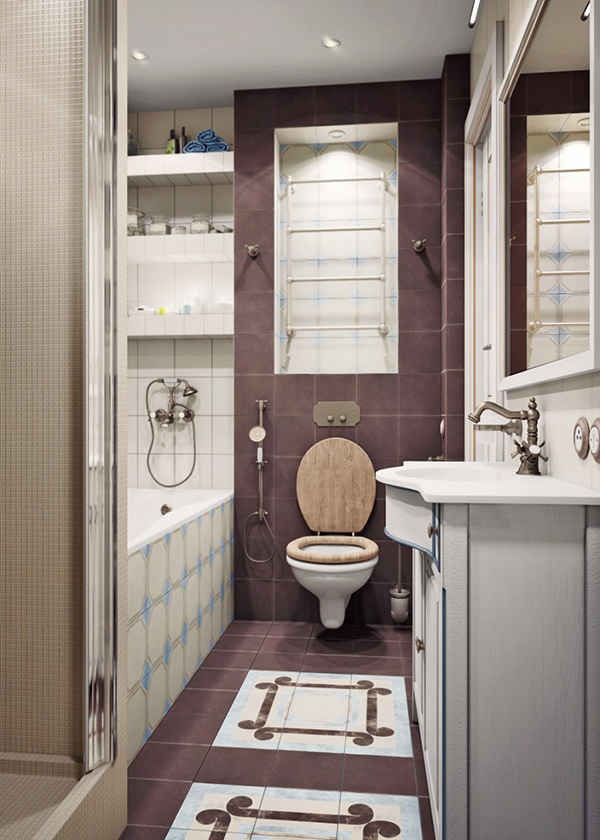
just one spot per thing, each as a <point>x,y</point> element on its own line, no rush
<point>456,482</point>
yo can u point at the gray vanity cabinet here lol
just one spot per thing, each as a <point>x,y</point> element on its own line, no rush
<point>505,650</point>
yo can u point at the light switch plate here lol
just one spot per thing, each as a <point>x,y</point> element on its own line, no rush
<point>336,413</point>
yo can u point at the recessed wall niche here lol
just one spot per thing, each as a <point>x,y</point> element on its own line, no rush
<point>336,299</point>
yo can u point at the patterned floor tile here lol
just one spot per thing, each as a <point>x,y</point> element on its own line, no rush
<point>221,810</point>
<point>313,712</point>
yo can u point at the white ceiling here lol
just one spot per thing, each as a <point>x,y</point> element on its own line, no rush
<point>200,51</point>
<point>562,41</point>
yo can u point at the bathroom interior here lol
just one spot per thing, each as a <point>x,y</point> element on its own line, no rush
<point>311,459</point>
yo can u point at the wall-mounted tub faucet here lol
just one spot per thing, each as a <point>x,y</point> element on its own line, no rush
<point>530,451</point>
<point>175,412</point>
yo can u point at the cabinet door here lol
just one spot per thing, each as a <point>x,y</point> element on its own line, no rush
<point>432,723</point>
<point>418,605</point>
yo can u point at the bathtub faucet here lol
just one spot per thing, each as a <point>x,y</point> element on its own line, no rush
<point>530,451</point>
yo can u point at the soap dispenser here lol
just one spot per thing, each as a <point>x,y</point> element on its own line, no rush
<point>172,144</point>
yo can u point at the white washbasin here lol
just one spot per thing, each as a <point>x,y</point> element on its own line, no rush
<point>465,482</point>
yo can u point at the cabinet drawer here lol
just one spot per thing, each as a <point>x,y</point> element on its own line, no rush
<point>410,520</point>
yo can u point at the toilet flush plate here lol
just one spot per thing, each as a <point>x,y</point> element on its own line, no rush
<point>336,413</point>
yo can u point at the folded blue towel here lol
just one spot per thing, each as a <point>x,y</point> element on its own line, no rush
<point>217,147</point>
<point>194,146</point>
<point>208,136</point>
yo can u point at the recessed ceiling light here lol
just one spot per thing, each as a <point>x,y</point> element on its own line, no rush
<point>331,43</point>
<point>138,55</point>
<point>584,122</point>
<point>474,13</point>
<point>337,133</point>
<point>586,12</point>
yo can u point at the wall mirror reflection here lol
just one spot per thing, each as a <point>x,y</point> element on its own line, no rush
<point>549,200</point>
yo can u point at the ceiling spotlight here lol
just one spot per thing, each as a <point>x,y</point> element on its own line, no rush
<point>331,43</point>
<point>584,122</point>
<point>138,55</point>
<point>474,13</point>
<point>337,134</point>
<point>586,12</point>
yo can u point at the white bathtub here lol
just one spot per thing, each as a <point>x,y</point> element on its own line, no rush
<point>145,522</point>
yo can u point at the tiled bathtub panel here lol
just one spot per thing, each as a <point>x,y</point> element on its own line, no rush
<point>180,602</point>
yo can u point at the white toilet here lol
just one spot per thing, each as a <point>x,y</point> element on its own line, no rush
<point>335,487</point>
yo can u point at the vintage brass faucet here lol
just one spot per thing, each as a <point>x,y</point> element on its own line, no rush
<point>529,451</point>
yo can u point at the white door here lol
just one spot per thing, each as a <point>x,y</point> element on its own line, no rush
<point>419,564</point>
<point>431,729</point>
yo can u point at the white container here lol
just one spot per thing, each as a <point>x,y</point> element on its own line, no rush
<point>159,225</point>
<point>200,223</point>
<point>400,600</point>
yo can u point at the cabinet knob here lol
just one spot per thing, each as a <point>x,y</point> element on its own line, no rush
<point>419,644</point>
<point>431,530</point>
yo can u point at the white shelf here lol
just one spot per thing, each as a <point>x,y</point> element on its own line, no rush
<point>211,325</point>
<point>189,247</point>
<point>180,170</point>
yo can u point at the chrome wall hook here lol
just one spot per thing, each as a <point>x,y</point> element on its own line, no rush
<point>253,251</point>
<point>419,245</point>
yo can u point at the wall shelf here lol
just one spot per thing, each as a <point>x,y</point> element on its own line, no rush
<point>180,170</point>
<point>210,325</point>
<point>194,248</point>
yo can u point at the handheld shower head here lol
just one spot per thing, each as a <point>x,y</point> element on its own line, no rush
<point>189,390</point>
<point>257,434</point>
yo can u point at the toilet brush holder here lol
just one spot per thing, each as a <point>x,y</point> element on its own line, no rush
<point>399,603</point>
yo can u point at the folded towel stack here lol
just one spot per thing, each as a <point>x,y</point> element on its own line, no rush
<point>207,141</point>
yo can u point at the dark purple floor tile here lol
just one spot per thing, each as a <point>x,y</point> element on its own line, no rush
<point>307,770</point>
<point>377,647</point>
<point>381,632</point>
<point>229,679</point>
<point>248,628</point>
<point>278,662</point>
<point>284,644</point>
<point>390,666</point>
<point>426,821</point>
<point>144,832</point>
<point>418,760</point>
<point>236,766</point>
<point>187,729</point>
<point>244,643</point>
<point>321,663</point>
<point>154,803</point>
<point>167,762</point>
<point>229,659</point>
<point>407,664</point>
<point>331,647</point>
<point>292,629</point>
<point>346,631</point>
<point>379,774</point>
<point>203,701</point>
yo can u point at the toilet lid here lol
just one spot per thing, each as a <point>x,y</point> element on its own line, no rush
<point>335,487</point>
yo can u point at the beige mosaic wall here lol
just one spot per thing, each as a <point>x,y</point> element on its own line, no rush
<point>41,404</point>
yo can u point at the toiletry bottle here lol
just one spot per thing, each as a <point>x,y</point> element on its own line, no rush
<point>182,140</point>
<point>172,144</point>
<point>132,146</point>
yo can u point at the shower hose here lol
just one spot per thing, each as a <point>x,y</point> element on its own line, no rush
<point>183,480</point>
<point>261,514</point>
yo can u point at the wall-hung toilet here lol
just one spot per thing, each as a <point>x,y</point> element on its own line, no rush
<point>335,487</point>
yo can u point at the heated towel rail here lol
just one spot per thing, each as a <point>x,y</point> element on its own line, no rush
<point>290,188</point>
<point>534,180</point>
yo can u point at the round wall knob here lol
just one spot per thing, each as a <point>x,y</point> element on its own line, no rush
<point>330,418</point>
<point>595,440</point>
<point>342,418</point>
<point>581,437</point>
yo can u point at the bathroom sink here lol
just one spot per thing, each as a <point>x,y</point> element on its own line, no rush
<point>465,482</point>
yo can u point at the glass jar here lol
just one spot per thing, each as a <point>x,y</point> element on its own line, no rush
<point>177,230</point>
<point>159,225</point>
<point>200,223</point>
<point>134,220</point>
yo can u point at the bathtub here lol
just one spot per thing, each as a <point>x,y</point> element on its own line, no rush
<point>179,595</point>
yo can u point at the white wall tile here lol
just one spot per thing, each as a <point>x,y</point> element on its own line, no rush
<point>193,357</point>
<point>223,357</point>
<point>222,396</point>
<point>156,358</point>
<point>222,123</point>
<point>154,128</point>
<point>195,120</point>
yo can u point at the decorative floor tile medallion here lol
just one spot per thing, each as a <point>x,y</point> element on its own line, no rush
<point>359,714</point>
<point>224,812</point>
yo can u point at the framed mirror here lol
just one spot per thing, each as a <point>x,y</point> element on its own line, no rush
<point>549,166</point>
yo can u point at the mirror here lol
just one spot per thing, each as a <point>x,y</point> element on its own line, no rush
<point>549,193</point>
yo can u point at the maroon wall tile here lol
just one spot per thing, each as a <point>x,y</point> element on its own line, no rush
<point>294,107</point>
<point>420,352</point>
<point>453,212</point>
<point>419,142</point>
<point>419,309</point>
<point>254,354</point>
<point>377,393</point>
<point>419,100</point>
<point>377,102</point>
<point>253,275</point>
<point>294,394</point>
<point>453,301</point>
<point>453,167</point>
<point>454,115</point>
<point>253,312</point>
<point>254,149</point>
<point>294,434</point>
<point>419,183</point>
<point>285,470</point>
<point>419,393</point>
<point>293,602</point>
<point>253,189</point>
<point>580,91</point>
<point>453,257</point>
<point>419,438</point>
<point>254,227</point>
<point>335,105</point>
<point>419,222</point>
<point>253,599</point>
<point>253,109</point>
<point>548,93</point>
<point>419,271</point>
<point>335,387</point>
<point>248,389</point>
<point>456,77</point>
<point>378,435</point>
